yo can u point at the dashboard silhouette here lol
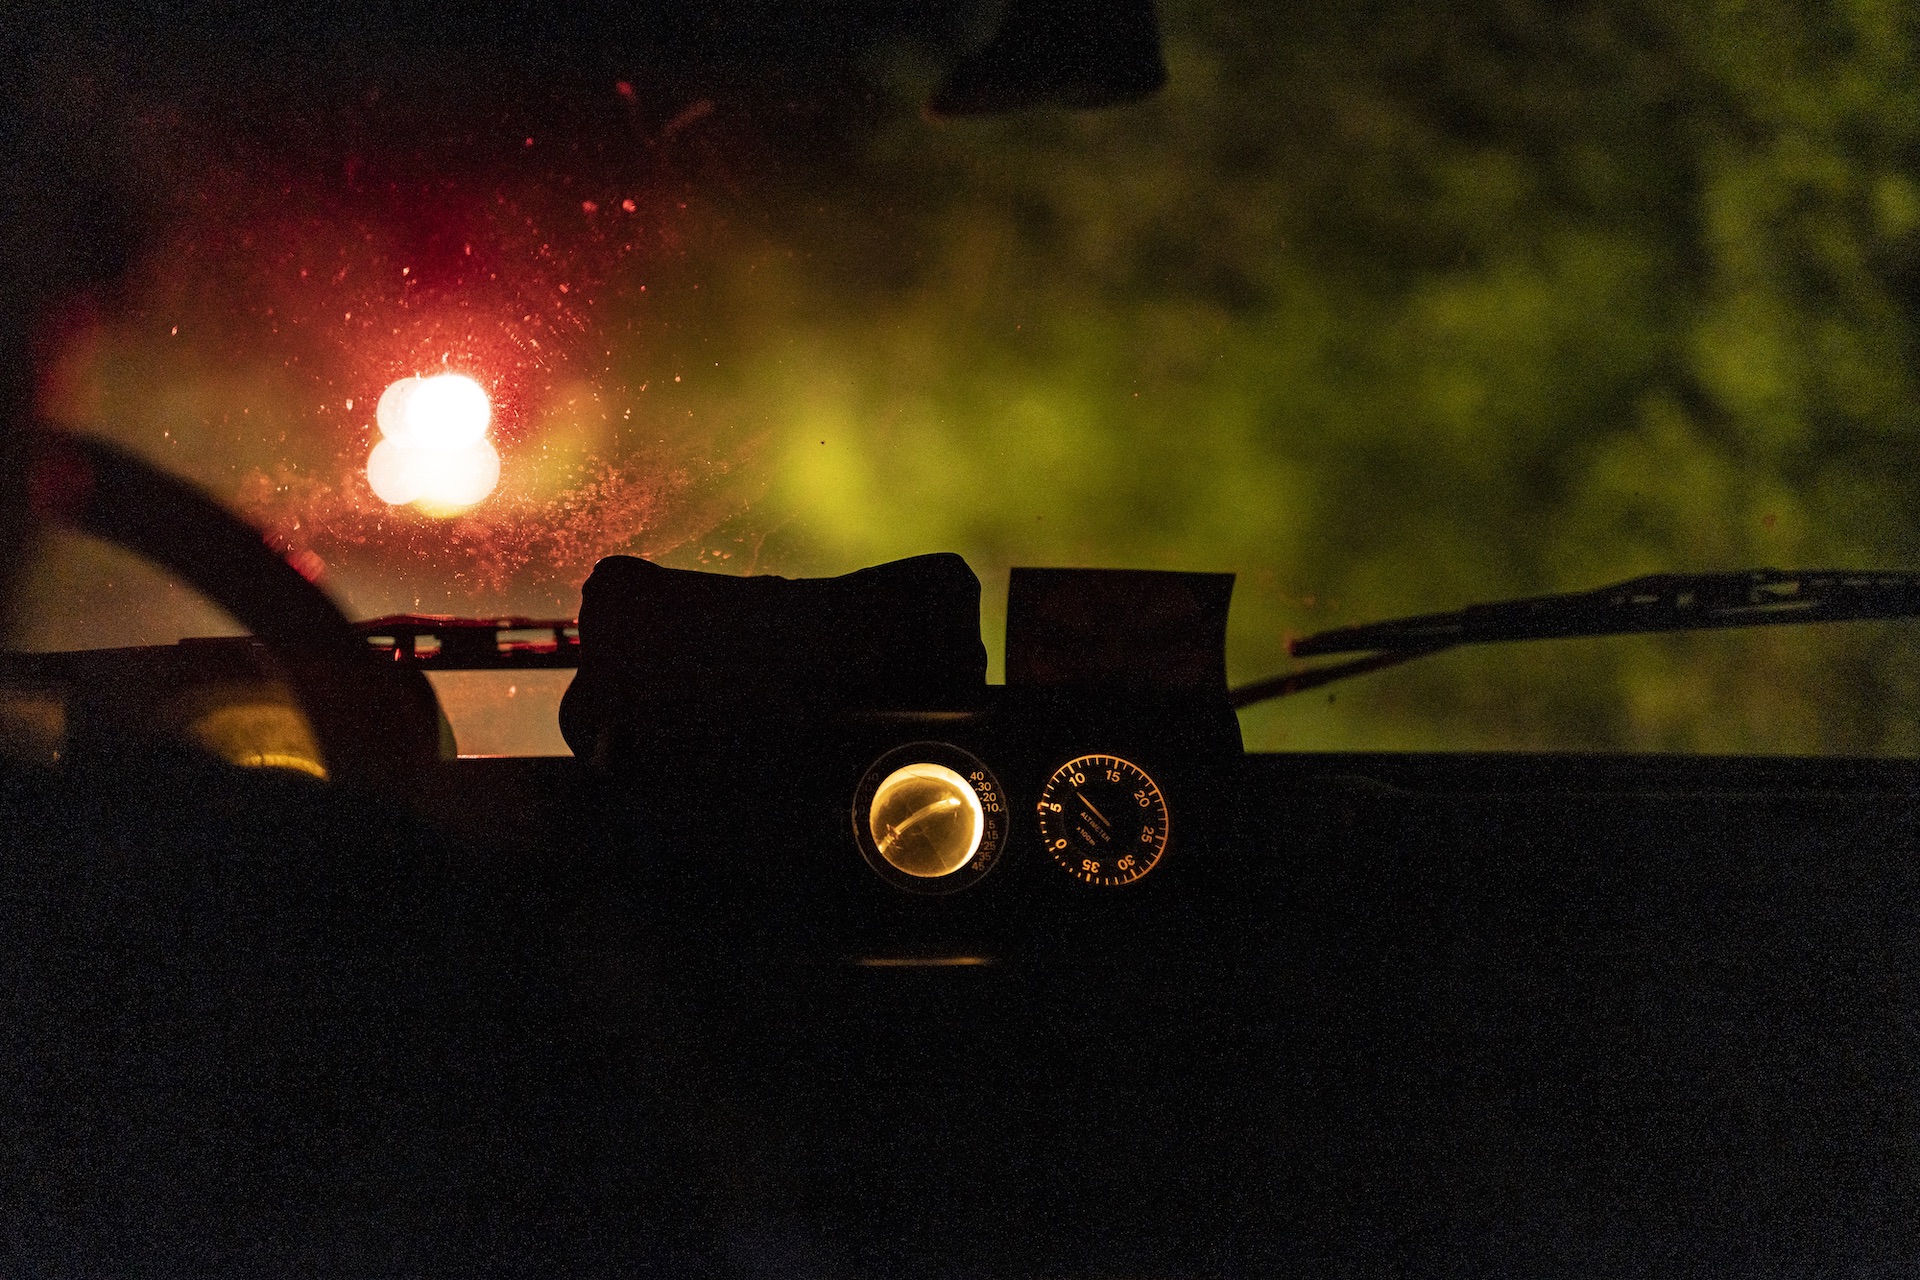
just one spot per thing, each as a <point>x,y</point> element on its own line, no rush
<point>649,1010</point>
<point>692,1002</point>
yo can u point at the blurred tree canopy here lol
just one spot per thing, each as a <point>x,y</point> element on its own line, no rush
<point>1389,308</point>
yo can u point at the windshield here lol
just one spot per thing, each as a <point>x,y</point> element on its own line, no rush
<point>1384,314</point>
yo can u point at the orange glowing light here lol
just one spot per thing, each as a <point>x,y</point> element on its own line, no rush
<point>926,820</point>
<point>435,455</point>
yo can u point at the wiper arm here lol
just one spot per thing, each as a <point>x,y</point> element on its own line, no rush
<point>1658,602</point>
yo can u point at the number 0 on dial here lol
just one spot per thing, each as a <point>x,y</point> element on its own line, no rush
<point>1103,820</point>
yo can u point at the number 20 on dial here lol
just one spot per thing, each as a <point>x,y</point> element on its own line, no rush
<point>1103,820</point>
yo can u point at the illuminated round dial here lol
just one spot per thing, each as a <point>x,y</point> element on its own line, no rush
<point>929,818</point>
<point>1103,819</point>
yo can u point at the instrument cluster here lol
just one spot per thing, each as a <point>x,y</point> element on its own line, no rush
<point>931,817</point>
<point>852,717</point>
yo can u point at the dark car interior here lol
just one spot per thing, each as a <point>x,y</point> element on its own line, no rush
<point>822,955</point>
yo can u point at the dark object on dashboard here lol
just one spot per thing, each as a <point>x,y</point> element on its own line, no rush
<point>1136,628</point>
<point>1092,650</point>
<point>1067,53</point>
<point>225,696</point>
<point>378,725</point>
<point>661,649</point>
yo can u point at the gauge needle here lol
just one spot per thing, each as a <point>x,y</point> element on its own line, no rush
<point>895,832</point>
<point>1099,816</point>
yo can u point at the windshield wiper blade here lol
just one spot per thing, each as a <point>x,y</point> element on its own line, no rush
<point>1658,602</point>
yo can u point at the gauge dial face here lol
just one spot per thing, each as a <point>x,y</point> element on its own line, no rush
<point>926,820</point>
<point>928,817</point>
<point>1103,820</point>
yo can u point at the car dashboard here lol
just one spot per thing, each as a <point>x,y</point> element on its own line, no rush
<point>690,1002</point>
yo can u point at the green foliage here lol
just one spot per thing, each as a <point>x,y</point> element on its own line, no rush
<point>1387,307</point>
<point>1390,309</point>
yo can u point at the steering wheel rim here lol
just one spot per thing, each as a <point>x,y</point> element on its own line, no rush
<point>377,724</point>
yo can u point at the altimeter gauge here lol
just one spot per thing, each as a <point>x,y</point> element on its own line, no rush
<point>1103,820</point>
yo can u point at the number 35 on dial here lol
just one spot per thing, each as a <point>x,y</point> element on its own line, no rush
<point>1103,820</point>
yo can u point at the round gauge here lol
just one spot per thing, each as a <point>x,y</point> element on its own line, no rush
<point>1103,819</point>
<point>929,818</point>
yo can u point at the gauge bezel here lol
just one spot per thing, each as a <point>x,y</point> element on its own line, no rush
<point>1159,846</point>
<point>993,807</point>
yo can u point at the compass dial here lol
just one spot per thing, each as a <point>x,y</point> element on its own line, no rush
<point>1103,819</point>
<point>928,818</point>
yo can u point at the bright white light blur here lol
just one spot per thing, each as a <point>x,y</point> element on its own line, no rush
<point>445,411</point>
<point>458,478</point>
<point>390,413</point>
<point>398,475</point>
<point>436,454</point>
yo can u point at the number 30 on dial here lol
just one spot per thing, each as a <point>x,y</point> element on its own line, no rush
<point>1103,820</point>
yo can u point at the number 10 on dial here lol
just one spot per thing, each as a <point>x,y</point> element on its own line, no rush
<point>1103,820</point>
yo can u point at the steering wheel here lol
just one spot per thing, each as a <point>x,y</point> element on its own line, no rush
<point>376,723</point>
